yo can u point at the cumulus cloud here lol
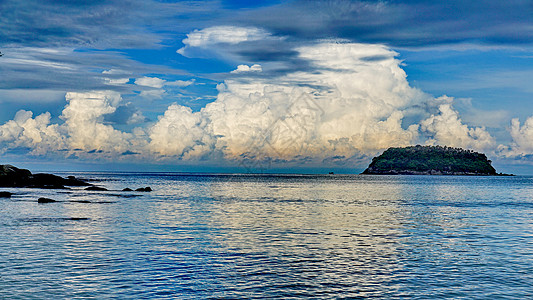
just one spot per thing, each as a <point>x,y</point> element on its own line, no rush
<point>180,132</point>
<point>218,36</point>
<point>153,82</point>
<point>353,101</point>
<point>446,128</point>
<point>350,105</point>
<point>84,128</point>
<point>246,68</point>
<point>84,115</point>
<point>34,133</point>
<point>223,35</point>
<point>522,136</point>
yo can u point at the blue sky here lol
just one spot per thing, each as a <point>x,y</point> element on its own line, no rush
<point>276,86</point>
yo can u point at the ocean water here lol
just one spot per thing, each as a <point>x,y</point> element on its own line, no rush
<point>271,236</point>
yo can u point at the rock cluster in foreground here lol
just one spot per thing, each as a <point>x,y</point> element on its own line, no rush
<point>11,176</point>
<point>430,160</point>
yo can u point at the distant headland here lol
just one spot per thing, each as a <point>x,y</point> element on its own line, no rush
<point>431,160</point>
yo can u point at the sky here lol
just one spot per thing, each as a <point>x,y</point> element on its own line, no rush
<point>262,86</point>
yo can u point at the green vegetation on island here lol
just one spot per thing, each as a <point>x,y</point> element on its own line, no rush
<point>430,160</point>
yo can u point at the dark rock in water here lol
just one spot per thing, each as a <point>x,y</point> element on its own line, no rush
<point>50,181</point>
<point>11,176</point>
<point>430,160</point>
<point>95,188</point>
<point>5,194</point>
<point>46,200</point>
<point>146,189</point>
<point>127,190</point>
<point>42,180</point>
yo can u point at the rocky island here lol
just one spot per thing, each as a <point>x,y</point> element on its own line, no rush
<point>430,160</point>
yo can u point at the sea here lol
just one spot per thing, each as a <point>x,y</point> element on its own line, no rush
<point>246,236</point>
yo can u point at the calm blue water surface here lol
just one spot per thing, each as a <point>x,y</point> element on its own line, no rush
<point>287,237</point>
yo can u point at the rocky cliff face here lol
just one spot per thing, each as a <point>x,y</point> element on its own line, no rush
<point>430,160</point>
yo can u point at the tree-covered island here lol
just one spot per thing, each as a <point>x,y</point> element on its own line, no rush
<point>430,160</point>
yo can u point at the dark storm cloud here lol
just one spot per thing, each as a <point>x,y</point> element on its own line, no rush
<point>261,54</point>
<point>401,23</point>
<point>116,24</point>
<point>74,23</point>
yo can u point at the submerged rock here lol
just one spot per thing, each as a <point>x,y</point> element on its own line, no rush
<point>127,190</point>
<point>45,200</point>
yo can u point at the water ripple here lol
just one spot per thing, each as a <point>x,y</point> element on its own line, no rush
<point>279,237</point>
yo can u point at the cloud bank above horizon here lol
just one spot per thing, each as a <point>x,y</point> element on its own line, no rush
<point>353,102</point>
<point>294,83</point>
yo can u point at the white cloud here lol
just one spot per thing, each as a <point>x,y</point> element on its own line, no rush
<point>38,63</point>
<point>354,101</point>
<point>224,34</point>
<point>117,81</point>
<point>354,104</point>
<point>447,129</point>
<point>180,83</point>
<point>522,138</point>
<point>157,84</point>
<point>35,133</point>
<point>231,35</point>
<point>136,118</point>
<point>356,107</point>
<point>153,82</point>
<point>179,132</point>
<point>116,77</point>
<point>153,94</point>
<point>83,128</point>
<point>246,68</point>
<point>84,115</point>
